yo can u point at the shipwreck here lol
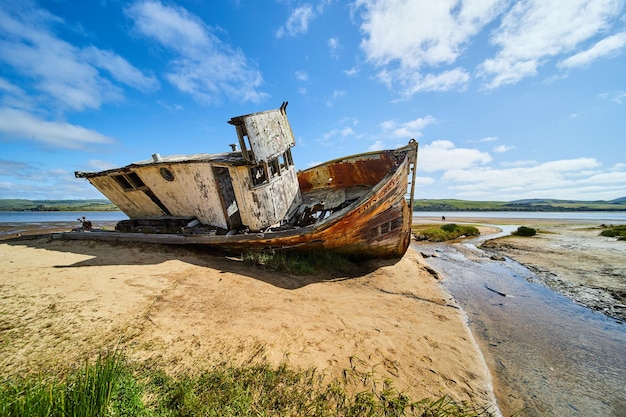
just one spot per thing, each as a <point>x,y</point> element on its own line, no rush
<point>252,198</point>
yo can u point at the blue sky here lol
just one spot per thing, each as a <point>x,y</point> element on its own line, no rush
<point>508,99</point>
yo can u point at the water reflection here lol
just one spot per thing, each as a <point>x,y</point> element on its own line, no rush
<point>549,356</point>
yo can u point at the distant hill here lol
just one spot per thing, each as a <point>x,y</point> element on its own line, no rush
<point>56,205</point>
<point>536,204</point>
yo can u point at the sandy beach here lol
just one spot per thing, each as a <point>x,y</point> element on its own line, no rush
<point>184,310</point>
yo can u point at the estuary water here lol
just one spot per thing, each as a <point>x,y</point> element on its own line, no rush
<point>14,222</point>
<point>595,216</point>
<point>548,355</point>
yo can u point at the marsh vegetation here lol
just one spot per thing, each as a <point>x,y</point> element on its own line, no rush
<point>448,231</point>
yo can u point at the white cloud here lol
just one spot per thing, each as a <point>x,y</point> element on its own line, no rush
<point>443,155</point>
<point>120,69</point>
<point>57,69</point>
<point>301,75</point>
<point>607,46</point>
<point>404,36</point>
<point>515,164</point>
<point>554,179</point>
<point>19,124</point>
<point>334,46</point>
<point>203,66</point>
<point>339,134</point>
<point>416,33</point>
<point>407,130</point>
<point>533,31</point>
<point>352,71</point>
<point>417,46</point>
<point>337,94</point>
<point>298,21</point>
<point>488,139</point>
<point>616,96</point>
<point>376,146</point>
<point>503,148</point>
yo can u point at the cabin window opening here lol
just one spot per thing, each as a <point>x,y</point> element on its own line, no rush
<point>282,162</point>
<point>248,150</point>
<point>385,228</point>
<point>288,157</point>
<point>274,168</point>
<point>135,180</point>
<point>123,182</point>
<point>396,224</point>
<point>167,174</point>
<point>258,174</point>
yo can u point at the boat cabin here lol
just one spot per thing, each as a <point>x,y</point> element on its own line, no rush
<point>253,188</point>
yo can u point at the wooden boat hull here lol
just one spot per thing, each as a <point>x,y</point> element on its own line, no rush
<point>376,225</point>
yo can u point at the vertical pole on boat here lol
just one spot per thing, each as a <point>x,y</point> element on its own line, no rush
<point>413,169</point>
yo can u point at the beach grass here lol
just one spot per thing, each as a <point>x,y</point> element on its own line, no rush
<point>448,231</point>
<point>300,263</point>
<point>111,386</point>
<point>85,393</point>
<point>525,231</point>
<point>615,231</point>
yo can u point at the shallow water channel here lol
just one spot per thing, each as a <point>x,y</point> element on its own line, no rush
<point>548,355</point>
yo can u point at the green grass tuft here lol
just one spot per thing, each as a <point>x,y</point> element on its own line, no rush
<point>85,393</point>
<point>615,231</point>
<point>448,231</point>
<point>300,263</point>
<point>525,231</point>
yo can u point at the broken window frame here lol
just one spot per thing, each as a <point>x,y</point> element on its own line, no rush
<point>129,181</point>
<point>259,175</point>
<point>274,168</point>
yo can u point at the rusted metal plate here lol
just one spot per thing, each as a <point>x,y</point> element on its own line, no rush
<point>367,170</point>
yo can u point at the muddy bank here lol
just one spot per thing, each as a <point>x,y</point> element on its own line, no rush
<point>573,260</point>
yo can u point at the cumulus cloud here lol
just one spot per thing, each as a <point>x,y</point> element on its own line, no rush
<point>22,125</point>
<point>404,37</point>
<point>570,178</point>
<point>407,130</point>
<point>202,65</point>
<point>443,155</point>
<point>418,46</point>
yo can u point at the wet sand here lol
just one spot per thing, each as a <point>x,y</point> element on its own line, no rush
<point>568,256</point>
<point>185,310</point>
<point>548,356</point>
<point>575,261</point>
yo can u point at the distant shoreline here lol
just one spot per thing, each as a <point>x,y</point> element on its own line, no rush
<point>419,205</point>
